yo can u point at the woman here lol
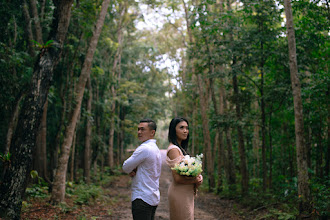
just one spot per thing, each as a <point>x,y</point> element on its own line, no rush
<point>181,191</point>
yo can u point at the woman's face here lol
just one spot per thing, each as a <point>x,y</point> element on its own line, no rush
<point>182,131</point>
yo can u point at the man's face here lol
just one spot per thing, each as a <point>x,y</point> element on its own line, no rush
<point>144,132</point>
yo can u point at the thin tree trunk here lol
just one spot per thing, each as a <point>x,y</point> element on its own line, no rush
<point>11,128</point>
<point>206,134</point>
<point>28,29</point>
<point>263,132</point>
<point>193,122</point>
<point>72,157</point>
<point>74,152</point>
<point>221,151</point>
<point>42,10</point>
<point>12,124</point>
<point>87,151</point>
<point>58,192</point>
<point>327,157</point>
<point>231,165</point>
<point>116,63</point>
<point>319,152</point>
<point>270,178</point>
<point>111,139</point>
<point>256,144</point>
<point>23,143</point>
<point>219,135</point>
<point>302,165</point>
<point>36,19</point>
<point>241,147</point>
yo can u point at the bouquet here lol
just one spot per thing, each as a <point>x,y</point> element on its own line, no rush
<point>189,166</point>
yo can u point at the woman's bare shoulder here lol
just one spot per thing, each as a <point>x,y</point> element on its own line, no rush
<point>173,151</point>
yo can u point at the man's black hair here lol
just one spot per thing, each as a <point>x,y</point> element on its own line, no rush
<point>151,123</point>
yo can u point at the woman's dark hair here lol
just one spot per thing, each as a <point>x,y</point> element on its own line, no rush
<point>172,134</point>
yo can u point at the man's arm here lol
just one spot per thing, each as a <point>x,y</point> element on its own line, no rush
<point>139,155</point>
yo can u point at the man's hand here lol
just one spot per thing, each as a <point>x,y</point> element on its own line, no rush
<point>133,173</point>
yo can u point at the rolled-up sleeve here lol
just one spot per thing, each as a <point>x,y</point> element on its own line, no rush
<point>139,155</point>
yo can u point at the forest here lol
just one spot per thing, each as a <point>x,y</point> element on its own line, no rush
<point>251,77</point>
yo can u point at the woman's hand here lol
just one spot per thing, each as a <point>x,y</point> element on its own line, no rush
<point>199,180</point>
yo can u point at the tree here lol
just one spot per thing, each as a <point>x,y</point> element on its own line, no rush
<point>303,177</point>
<point>87,151</point>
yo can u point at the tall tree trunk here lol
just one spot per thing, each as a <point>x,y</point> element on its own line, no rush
<point>87,151</point>
<point>28,29</point>
<point>23,143</point>
<point>72,157</point>
<point>256,144</point>
<point>219,135</point>
<point>319,152</point>
<point>263,131</point>
<point>302,165</point>
<point>11,128</point>
<point>206,134</point>
<point>42,10</point>
<point>41,146</point>
<point>241,147</point>
<point>111,142</point>
<point>116,65</point>
<point>230,167</point>
<point>327,156</point>
<point>12,123</point>
<point>270,178</point>
<point>58,191</point>
<point>193,123</point>
<point>36,19</point>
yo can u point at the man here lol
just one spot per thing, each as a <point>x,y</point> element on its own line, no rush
<point>144,166</point>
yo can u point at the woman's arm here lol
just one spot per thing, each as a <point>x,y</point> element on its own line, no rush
<point>172,154</point>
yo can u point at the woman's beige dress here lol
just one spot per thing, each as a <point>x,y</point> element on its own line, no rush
<point>180,196</point>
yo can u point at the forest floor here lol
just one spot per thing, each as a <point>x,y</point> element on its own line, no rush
<point>116,204</point>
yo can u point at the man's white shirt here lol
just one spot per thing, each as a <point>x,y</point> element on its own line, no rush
<point>145,184</point>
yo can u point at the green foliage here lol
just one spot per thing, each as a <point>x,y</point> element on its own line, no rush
<point>86,193</point>
<point>5,157</point>
<point>321,196</point>
<point>46,45</point>
<point>278,214</point>
<point>37,191</point>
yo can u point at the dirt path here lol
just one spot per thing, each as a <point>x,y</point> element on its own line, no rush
<point>115,204</point>
<point>207,206</point>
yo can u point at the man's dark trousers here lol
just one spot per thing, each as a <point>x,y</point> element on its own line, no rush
<point>142,210</point>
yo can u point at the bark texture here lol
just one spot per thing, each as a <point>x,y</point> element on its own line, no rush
<point>40,159</point>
